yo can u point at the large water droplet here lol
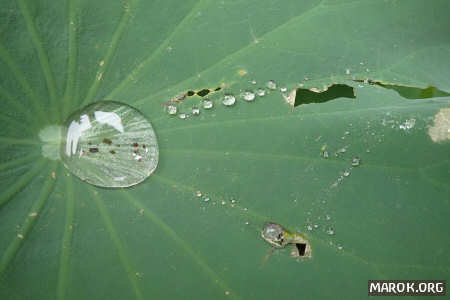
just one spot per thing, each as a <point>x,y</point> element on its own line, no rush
<point>228,100</point>
<point>109,144</point>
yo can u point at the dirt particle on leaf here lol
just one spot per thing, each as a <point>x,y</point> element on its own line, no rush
<point>440,131</point>
<point>32,214</point>
<point>242,72</point>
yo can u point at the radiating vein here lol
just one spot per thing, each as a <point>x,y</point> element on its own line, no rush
<point>251,45</point>
<point>21,182</point>
<point>303,115</point>
<point>12,163</point>
<point>22,81</point>
<point>277,156</point>
<point>162,47</point>
<point>118,244</point>
<point>111,52</point>
<point>43,58</point>
<point>19,125</point>
<point>17,141</point>
<point>17,242</point>
<point>72,56</point>
<point>258,217</point>
<point>15,102</point>
<point>67,240</point>
<point>180,242</point>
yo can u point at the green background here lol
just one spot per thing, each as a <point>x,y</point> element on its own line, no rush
<point>158,240</point>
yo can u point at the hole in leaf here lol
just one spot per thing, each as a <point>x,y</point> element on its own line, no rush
<point>306,96</point>
<point>200,93</point>
<point>301,249</point>
<point>409,92</point>
<point>203,92</point>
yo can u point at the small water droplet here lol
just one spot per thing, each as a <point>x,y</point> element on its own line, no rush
<point>195,111</point>
<point>325,154</point>
<point>283,90</point>
<point>347,71</point>
<point>271,85</point>
<point>346,173</point>
<point>171,109</point>
<point>316,226</point>
<point>339,247</point>
<point>183,116</point>
<point>355,161</point>
<point>328,217</point>
<point>228,100</point>
<point>207,104</point>
<point>206,199</point>
<point>309,227</point>
<point>248,96</point>
<point>198,193</point>
<point>253,81</point>
<point>98,145</point>
<point>260,92</point>
<point>330,231</point>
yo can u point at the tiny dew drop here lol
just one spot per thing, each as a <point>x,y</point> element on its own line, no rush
<point>229,100</point>
<point>183,116</point>
<point>271,85</point>
<point>109,144</point>
<point>171,109</point>
<point>260,92</point>
<point>283,90</point>
<point>195,111</point>
<point>355,161</point>
<point>248,96</point>
<point>330,231</point>
<point>207,104</point>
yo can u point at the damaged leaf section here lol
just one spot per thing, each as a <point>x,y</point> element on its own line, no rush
<point>200,93</point>
<point>307,96</point>
<point>440,131</point>
<point>279,237</point>
<point>409,92</point>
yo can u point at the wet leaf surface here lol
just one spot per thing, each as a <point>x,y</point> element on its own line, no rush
<point>63,238</point>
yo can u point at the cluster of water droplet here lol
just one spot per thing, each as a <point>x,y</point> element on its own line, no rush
<point>227,99</point>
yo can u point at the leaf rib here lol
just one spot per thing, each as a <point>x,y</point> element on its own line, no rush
<point>67,240</point>
<point>147,61</point>
<point>17,141</point>
<point>180,242</point>
<point>19,161</point>
<point>72,54</point>
<point>22,81</point>
<point>43,58</point>
<point>17,242</point>
<point>258,217</point>
<point>112,49</point>
<point>249,46</point>
<point>21,183</point>
<point>15,103</point>
<point>118,244</point>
